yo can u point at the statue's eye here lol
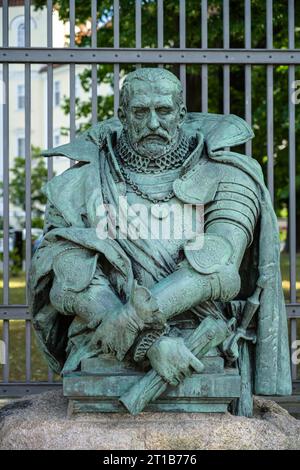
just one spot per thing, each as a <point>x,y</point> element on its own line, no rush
<point>140,112</point>
<point>164,110</point>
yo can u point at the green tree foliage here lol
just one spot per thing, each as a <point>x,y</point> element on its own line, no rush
<point>38,179</point>
<point>215,72</point>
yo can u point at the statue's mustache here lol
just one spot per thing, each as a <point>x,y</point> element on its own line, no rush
<point>160,134</point>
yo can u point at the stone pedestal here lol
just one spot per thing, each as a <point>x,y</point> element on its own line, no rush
<point>41,422</point>
<point>99,385</point>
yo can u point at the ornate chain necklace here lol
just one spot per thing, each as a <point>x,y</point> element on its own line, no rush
<point>174,158</point>
<point>135,162</point>
<point>135,187</point>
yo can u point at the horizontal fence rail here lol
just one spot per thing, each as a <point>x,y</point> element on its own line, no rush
<point>103,55</point>
<point>117,57</point>
<point>21,312</point>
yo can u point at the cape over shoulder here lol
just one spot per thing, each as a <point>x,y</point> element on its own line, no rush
<point>85,148</point>
<point>219,131</point>
<point>68,191</point>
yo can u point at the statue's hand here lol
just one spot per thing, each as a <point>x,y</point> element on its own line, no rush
<point>116,333</point>
<point>119,329</point>
<point>172,360</point>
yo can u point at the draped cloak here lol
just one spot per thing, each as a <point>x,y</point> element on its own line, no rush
<point>74,197</point>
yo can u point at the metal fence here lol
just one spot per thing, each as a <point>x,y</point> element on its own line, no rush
<point>116,56</point>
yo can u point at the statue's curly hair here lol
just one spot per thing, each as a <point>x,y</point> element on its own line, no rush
<point>149,75</point>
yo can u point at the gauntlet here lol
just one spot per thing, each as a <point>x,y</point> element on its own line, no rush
<point>120,328</point>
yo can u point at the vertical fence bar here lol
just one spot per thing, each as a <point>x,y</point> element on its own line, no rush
<point>116,46</point>
<point>72,22</point>
<point>27,144</point>
<point>5,191</point>
<point>182,42</point>
<point>5,161</point>
<point>27,141</point>
<point>94,66</point>
<point>204,70</point>
<point>49,133</point>
<point>27,23</point>
<point>27,182</point>
<point>248,84</point>
<point>138,26</point>
<point>72,74</point>
<point>226,68</point>
<point>5,20</point>
<point>292,179</point>
<point>160,26</point>
<point>270,104</point>
<point>49,90</point>
<point>138,23</point>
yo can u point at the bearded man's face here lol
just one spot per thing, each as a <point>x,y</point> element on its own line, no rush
<point>152,120</point>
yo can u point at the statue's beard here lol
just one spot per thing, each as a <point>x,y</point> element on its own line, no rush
<point>155,145</point>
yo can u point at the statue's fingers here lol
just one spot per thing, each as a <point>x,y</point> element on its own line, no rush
<point>187,371</point>
<point>183,374</point>
<point>179,376</point>
<point>197,365</point>
<point>171,379</point>
<point>174,382</point>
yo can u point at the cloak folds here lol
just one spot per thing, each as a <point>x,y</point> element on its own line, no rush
<point>70,196</point>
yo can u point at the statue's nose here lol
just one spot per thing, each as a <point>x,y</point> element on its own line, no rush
<point>153,123</point>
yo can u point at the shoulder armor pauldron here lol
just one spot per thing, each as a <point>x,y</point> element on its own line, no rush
<point>199,185</point>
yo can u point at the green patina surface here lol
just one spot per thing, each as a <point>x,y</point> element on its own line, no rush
<point>134,319</point>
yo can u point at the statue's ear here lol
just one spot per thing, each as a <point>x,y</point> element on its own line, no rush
<point>121,115</point>
<point>182,113</point>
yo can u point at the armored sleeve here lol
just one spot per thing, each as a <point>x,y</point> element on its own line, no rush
<point>79,285</point>
<point>91,304</point>
<point>236,202</point>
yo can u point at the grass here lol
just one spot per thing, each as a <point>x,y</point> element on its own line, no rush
<point>17,354</point>
<point>17,295</point>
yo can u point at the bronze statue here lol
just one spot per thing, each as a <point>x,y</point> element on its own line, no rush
<point>128,316</point>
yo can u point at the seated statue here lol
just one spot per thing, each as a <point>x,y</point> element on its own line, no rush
<point>108,286</point>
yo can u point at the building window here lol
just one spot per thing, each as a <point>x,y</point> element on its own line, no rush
<point>21,35</point>
<point>21,147</point>
<point>56,93</point>
<point>20,97</point>
<point>56,138</point>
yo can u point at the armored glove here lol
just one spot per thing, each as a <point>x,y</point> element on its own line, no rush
<point>172,360</point>
<point>120,328</point>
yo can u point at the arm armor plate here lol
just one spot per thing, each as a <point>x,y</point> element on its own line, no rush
<point>211,255</point>
<point>236,204</point>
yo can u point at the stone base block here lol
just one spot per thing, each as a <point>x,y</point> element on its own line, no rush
<point>41,422</point>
